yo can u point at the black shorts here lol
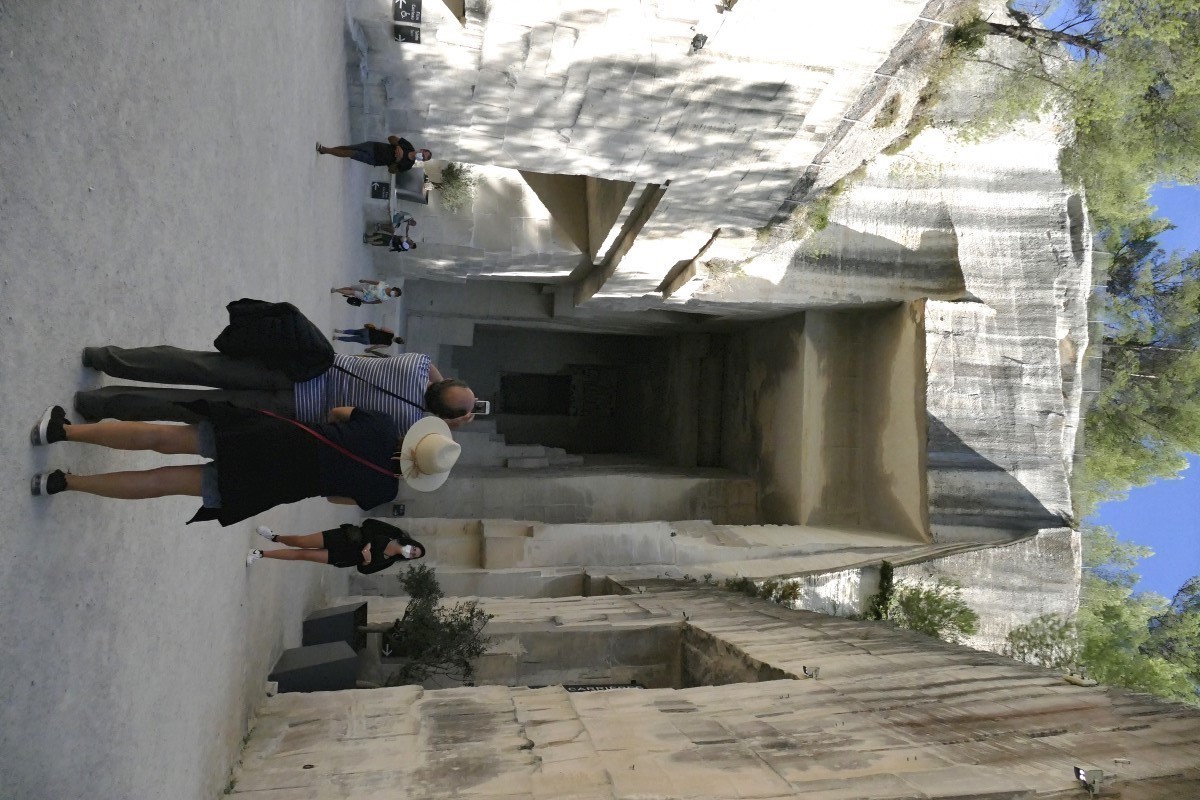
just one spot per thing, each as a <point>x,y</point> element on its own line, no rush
<point>377,154</point>
<point>345,544</point>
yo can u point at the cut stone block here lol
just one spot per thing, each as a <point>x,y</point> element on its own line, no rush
<point>337,624</point>
<point>318,668</point>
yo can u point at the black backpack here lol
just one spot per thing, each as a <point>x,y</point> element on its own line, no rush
<point>278,335</point>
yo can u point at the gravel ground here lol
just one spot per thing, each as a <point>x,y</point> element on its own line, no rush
<point>156,161</point>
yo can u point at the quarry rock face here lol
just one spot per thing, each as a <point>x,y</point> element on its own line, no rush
<point>981,236</point>
<point>991,234</point>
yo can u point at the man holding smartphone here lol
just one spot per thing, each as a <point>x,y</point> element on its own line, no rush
<point>405,387</point>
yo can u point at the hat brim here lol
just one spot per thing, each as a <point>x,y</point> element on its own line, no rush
<point>408,467</point>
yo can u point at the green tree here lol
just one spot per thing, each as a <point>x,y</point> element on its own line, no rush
<point>1122,638</point>
<point>432,639</point>
<point>934,610</point>
<point>1049,641</point>
<point>1128,74</point>
<point>457,186</point>
<point>1175,633</point>
<point>1147,417</point>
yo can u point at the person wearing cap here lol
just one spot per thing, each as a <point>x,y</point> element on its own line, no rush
<point>405,387</point>
<point>372,546</point>
<point>259,460</point>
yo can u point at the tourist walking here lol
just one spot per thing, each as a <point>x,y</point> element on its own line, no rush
<point>259,460</point>
<point>369,293</point>
<point>394,236</point>
<point>397,154</point>
<point>369,335</point>
<point>372,546</point>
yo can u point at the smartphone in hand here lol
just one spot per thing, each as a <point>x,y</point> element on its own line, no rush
<point>482,408</point>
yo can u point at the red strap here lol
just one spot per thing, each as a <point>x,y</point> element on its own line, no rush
<point>334,445</point>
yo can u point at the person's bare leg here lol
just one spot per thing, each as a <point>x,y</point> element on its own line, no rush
<point>339,151</point>
<point>347,291</point>
<point>310,541</point>
<point>316,556</point>
<point>140,485</point>
<point>166,439</point>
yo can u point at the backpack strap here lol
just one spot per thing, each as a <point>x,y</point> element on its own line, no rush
<point>417,406</point>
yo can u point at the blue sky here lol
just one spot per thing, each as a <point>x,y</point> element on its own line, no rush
<point>1166,515</point>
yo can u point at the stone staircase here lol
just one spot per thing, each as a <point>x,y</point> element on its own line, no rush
<point>482,446</point>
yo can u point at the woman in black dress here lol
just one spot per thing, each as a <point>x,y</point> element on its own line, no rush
<point>259,460</point>
<point>372,547</point>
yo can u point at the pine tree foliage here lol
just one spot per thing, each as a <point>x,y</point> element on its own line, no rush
<point>1147,417</point>
<point>1120,637</point>
<point>1127,72</point>
<point>933,609</point>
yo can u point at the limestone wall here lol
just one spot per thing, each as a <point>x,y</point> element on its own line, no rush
<point>1011,585</point>
<point>891,714</point>
<point>522,558</point>
<point>614,90</point>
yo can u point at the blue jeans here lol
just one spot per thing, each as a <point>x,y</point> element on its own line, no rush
<point>356,335</point>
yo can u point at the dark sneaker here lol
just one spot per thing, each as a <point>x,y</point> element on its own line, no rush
<point>51,427</point>
<point>47,483</point>
<point>87,359</point>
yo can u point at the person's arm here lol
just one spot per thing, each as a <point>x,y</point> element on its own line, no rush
<point>341,413</point>
<point>434,375</point>
<point>366,554</point>
<point>394,141</point>
<point>378,566</point>
<point>341,501</point>
<point>369,283</point>
<point>371,325</point>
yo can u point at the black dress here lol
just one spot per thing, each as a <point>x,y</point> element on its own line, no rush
<point>263,462</point>
<point>345,544</point>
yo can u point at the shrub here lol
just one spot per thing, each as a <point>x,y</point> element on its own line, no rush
<point>432,639</point>
<point>936,610</point>
<point>457,186</point>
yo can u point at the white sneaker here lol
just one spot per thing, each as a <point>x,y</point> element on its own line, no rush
<point>266,532</point>
<point>252,556</point>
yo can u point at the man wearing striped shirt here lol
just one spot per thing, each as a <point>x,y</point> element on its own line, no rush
<point>405,387</point>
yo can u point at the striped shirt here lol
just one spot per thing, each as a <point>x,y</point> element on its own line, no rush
<point>406,375</point>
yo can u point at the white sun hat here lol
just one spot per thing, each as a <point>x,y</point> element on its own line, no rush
<point>427,454</point>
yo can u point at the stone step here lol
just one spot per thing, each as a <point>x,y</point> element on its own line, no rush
<point>527,462</point>
<point>524,451</point>
<point>483,425</point>
<point>565,460</point>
